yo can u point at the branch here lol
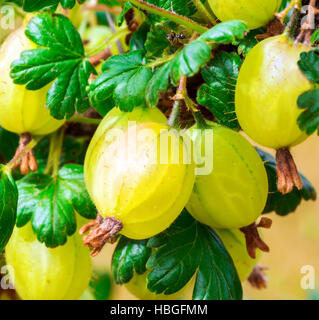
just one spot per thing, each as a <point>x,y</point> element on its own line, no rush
<point>170,15</point>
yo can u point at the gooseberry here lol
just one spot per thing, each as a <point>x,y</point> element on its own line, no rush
<point>115,119</point>
<point>268,86</point>
<point>22,110</point>
<point>255,13</point>
<point>41,273</point>
<point>138,187</point>
<point>234,193</point>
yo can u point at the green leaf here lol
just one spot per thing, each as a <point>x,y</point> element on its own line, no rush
<point>9,142</point>
<point>226,32</point>
<point>249,41</point>
<point>309,65</point>
<point>124,78</point>
<point>61,60</point>
<point>182,249</point>
<point>217,278</point>
<point>308,120</point>
<point>37,5</point>
<point>138,38</point>
<point>195,56</point>
<point>100,285</point>
<point>190,60</point>
<point>276,201</point>
<point>52,202</point>
<point>182,7</point>
<point>129,256</point>
<point>218,93</point>
<point>8,206</point>
<point>158,84</point>
<point>156,41</point>
<point>177,257</point>
<point>104,106</point>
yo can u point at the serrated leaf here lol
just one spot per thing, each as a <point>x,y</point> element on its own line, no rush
<point>226,32</point>
<point>276,201</point>
<point>158,84</point>
<point>156,41</point>
<point>308,120</point>
<point>190,60</point>
<point>188,246</point>
<point>62,60</point>
<point>52,202</point>
<point>187,62</point>
<point>129,256</point>
<point>217,277</point>
<point>124,78</point>
<point>55,32</point>
<point>182,7</point>
<point>8,206</point>
<point>177,257</point>
<point>218,93</point>
<point>309,65</point>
